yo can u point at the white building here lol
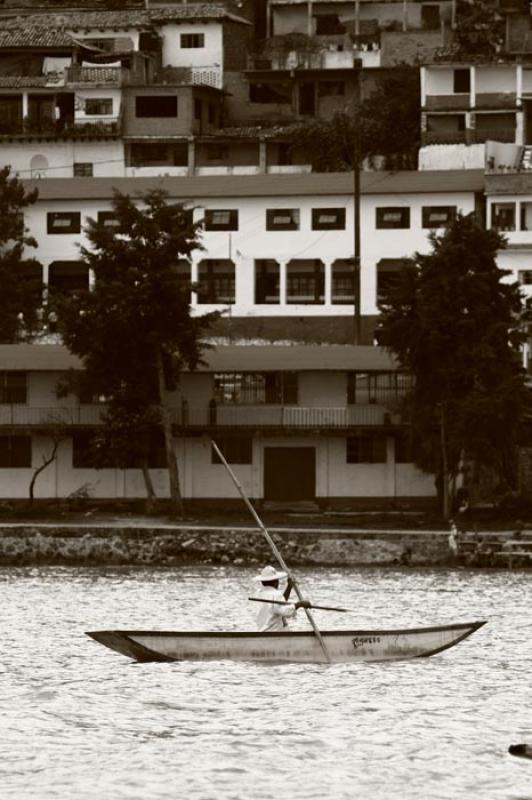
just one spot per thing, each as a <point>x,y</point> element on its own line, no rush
<point>276,246</point>
<point>299,423</point>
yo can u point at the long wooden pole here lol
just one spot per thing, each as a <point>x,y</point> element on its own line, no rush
<point>273,547</point>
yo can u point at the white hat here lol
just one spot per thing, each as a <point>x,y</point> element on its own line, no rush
<point>269,574</point>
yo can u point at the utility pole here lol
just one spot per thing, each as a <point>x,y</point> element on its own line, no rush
<point>357,338</point>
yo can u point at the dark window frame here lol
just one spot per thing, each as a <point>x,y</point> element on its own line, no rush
<point>16,452</point>
<point>235,449</point>
<point>74,217</point>
<point>338,224</point>
<point>366,448</point>
<point>13,387</point>
<point>102,106</point>
<point>277,388</point>
<point>461,80</point>
<point>426,211</point>
<point>403,223</point>
<point>292,225</point>
<point>192,41</point>
<point>230,225</point>
<point>144,106</point>
<point>83,169</point>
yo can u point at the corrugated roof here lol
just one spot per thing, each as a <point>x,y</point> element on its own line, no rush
<point>30,35</point>
<point>128,18</point>
<point>339,183</point>
<point>225,358</point>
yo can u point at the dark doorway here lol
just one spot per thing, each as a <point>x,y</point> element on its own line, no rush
<point>307,99</point>
<point>528,121</point>
<point>289,473</point>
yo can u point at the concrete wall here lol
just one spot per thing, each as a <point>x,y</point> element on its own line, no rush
<point>176,56</point>
<point>180,125</point>
<point>495,79</point>
<point>452,156</point>
<point>100,92</point>
<point>107,157</point>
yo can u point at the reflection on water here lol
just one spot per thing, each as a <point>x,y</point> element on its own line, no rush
<point>78,721</point>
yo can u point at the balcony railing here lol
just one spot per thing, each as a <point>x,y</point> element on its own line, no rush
<point>108,76</point>
<point>205,417</point>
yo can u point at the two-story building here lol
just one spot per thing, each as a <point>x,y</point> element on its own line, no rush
<point>276,247</point>
<point>297,423</point>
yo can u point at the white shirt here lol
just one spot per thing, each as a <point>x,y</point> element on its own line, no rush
<point>272,617</point>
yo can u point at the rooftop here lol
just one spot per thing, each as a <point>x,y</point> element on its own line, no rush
<point>316,184</point>
<point>122,20</point>
<point>30,35</point>
<point>226,358</point>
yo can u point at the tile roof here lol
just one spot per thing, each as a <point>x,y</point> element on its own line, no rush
<point>300,184</point>
<point>129,18</point>
<point>225,358</point>
<point>23,81</point>
<point>29,35</point>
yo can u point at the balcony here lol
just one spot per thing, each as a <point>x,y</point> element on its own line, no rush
<point>444,137</point>
<point>59,129</point>
<point>208,417</point>
<point>94,76</point>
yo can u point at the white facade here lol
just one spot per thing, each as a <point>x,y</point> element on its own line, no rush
<point>55,159</point>
<point>176,53</point>
<point>253,242</point>
<point>320,389</point>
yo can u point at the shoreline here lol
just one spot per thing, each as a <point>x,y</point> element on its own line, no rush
<point>128,543</point>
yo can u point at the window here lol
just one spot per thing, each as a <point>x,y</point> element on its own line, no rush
<point>461,81</point>
<point>328,219</point>
<point>525,277</point>
<point>192,40</point>
<point>212,114</point>
<point>156,106</point>
<point>438,216</point>
<point>267,273</point>
<point>15,452</point>
<point>63,222</point>
<point>282,219</point>
<point>216,281</point>
<point>403,449</point>
<point>388,275</point>
<point>83,169</point>
<point>526,216</point>
<point>256,388</point>
<point>305,281</point>
<point>107,218</point>
<point>364,388</point>
<point>217,152</point>
<point>198,109</point>
<point>99,107</point>
<point>238,450</point>
<point>343,282</point>
<point>221,220</point>
<point>277,93</point>
<point>68,276</point>
<point>87,455</point>
<point>503,216</point>
<point>366,449</point>
<point>393,217</point>
<point>328,25</point>
<point>13,387</point>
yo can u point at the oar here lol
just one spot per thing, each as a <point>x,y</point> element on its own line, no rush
<point>273,547</point>
<point>287,603</point>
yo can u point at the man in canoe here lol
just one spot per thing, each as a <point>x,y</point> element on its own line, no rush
<point>271,616</point>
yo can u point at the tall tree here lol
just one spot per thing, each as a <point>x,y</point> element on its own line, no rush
<point>456,326</point>
<point>20,282</point>
<point>133,330</point>
<point>387,122</point>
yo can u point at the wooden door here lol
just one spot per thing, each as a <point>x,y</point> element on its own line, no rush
<point>289,473</point>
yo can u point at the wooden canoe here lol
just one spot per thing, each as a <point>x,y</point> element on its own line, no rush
<point>344,646</point>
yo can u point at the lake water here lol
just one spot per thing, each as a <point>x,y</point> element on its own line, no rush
<point>78,721</point>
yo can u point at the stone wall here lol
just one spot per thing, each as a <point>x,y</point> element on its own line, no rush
<point>31,545</point>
